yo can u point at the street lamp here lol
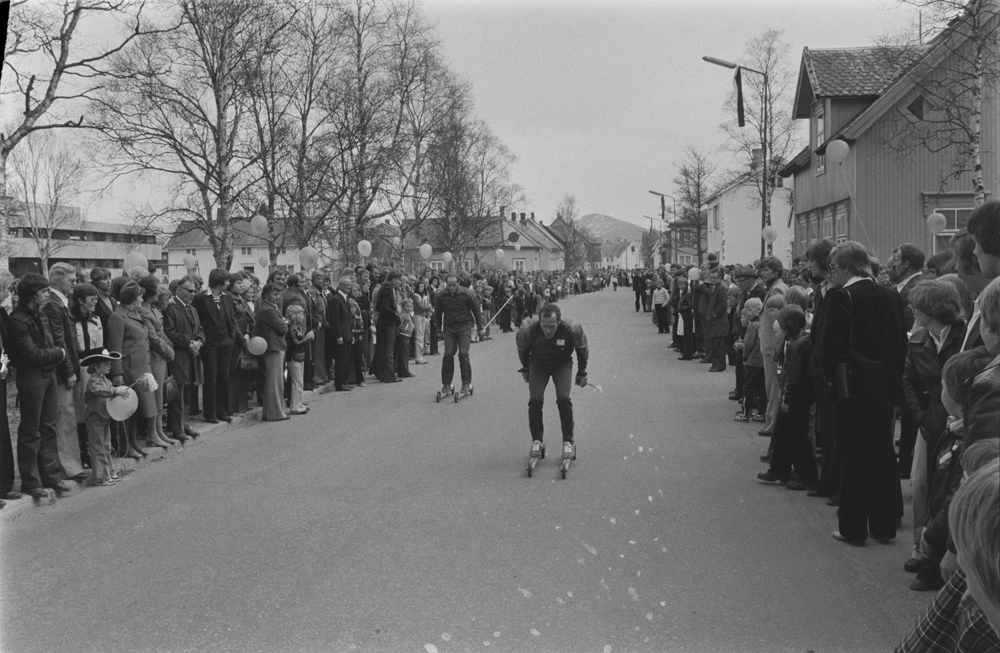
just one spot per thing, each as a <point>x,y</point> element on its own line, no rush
<point>763,143</point>
<point>663,213</point>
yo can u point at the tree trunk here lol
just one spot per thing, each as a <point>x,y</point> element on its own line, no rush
<point>4,213</point>
<point>978,188</point>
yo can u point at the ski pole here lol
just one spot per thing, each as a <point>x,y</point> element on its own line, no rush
<point>495,315</point>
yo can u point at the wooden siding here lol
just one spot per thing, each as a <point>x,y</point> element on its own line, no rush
<point>841,112</point>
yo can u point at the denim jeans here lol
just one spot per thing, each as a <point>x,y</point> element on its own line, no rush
<point>37,453</point>
<point>456,341</point>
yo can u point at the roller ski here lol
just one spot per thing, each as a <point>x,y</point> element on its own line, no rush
<point>537,453</point>
<point>444,392</point>
<point>464,391</point>
<point>568,455</point>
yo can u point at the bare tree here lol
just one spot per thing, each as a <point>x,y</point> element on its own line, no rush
<point>962,62</point>
<point>693,185</point>
<point>178,108</point>
<point>575,254</point>
<point>769,124</point>
<point>46,177</point>
<point>51,74</point>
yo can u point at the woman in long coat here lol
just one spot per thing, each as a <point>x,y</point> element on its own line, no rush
<point>160,354</point>
<point>129,335</point>
<point>272,327</point>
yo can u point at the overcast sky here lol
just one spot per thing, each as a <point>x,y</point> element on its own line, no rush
<point>598,98</point>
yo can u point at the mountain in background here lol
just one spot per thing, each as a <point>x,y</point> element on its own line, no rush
<point>608,229</point>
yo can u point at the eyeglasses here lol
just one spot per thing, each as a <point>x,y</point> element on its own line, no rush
<point>185,288</point>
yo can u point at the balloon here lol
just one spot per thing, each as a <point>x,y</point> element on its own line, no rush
<point>308,257</point>
<point>258,225</point>
<point>517,247</point>
<point>264,261</point>
<point>694,274</point>
<point>499,253</point>
<point>769,234</point>
<point>135,259</point>
<point>837,151</point>
<point>121,408</point>
<point>426,251</point>
<point>364,248</point>
<point>936,223</point>
<point>446,257</point>
<point>190,262</point>
<point>257,346</point>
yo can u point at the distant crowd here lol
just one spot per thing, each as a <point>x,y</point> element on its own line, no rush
<point>861,374</point>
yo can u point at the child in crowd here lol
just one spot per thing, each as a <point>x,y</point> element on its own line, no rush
<point>945,470</point>
<point>297,337</point>
<point>403,333</point>
<point>754,401</point>
<point>98,421</point>
<point>486,305</point>
<point>792,446</point>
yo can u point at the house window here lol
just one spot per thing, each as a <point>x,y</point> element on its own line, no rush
<point>956,219</point>
<point>685,259</point>
<point>190,251</point>
<point>246,251</point>
<point>519,264</point>
<point>800,232</point>
<point>715,217</point>
<point>840,222</point>
<point>820,131</point>
<point>813,226</point>
<point>250,268</point>
<point>436,265</point>
<point>828,222</point>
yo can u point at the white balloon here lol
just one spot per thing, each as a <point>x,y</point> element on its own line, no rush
<point>121,408</point>
<point>364,248</point>
<point>264,261</point>
<point>837,151</point>
<point>426,251</point>
<point>257,345</point>
<point>446,257</point>
<point>694,274</point>
<point>258,225</point>
<point>769,234</point>
<point>135,259</point>
<point>499,253</point>
<point>190,262</point>
<point>936,223</point>
<point>308,258</point>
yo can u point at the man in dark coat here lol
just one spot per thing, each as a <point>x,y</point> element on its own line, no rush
<point>384,360</point>
<point>906,271</point>
<point>340,323</point>
<point>183,329</point>
<point>862,353</point>
<point>33,351</point>
<point>716,322</point>
<point>215,311</point>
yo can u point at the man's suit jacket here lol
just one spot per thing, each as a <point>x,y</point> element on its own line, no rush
<point>717,322</point>
<point>905,296</point>
<point>63,336</point>
<point>866,318</point>
<point>182,328</point>
<point>218,322</point>
<point>339,318</point>
<point>105,307</point>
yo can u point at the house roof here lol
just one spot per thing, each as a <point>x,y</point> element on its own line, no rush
<point>800,161</point>
<point>614,249</point>
<point>191,235</point>
<point>850,72</point>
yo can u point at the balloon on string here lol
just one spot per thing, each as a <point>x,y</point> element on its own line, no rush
<point>694,274</point>
<point>258,225</point>
<point>769,234</point>
<point>426,251</point>
<point>517,247</point>
<point>190,262</point>
<point>135,259</point>
<point>257,346</point>
<point>446,257</point>
<point>936,223</point>
<point>499,253</point>
<point>264,261</point>
<point>837,151</point>
<point>120,408</point>
<point>364,248</point>
<point>308,257</point>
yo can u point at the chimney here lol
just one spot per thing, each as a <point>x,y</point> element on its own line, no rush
<point>524,218</point>
<point>513,216</point>
<point>532,216</point>
<point>388,221</point>
<point>539,223</point>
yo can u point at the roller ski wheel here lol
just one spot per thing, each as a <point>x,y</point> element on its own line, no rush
<point>537,453</point>
<point>441,394</point>
<point>568,455</point>
<point>462,393</point>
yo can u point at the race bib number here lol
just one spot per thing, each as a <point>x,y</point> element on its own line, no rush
<point>560,343</point>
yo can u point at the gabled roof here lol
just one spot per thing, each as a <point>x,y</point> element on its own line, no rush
<point>801,160</point>
<point>614,249</point>
<point>190,235</point>
<point>850,73</point>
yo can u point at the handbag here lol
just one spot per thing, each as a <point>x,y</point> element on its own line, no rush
<point>249,362</point>
<point>170,389</point>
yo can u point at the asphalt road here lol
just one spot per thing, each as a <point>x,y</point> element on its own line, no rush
<point>382,521</point>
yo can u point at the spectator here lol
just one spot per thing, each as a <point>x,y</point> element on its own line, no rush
<point>754,394</point>
<point>128,333</point>
<point>906,270</point>
<point>62,277</point>
<point>940,264</point>
<point>33,351</point>
<point>403,334</point>
<point>297,336</point>
<point>685,322</point>
<point>97,364</point>
<point>7,492</point>
<point>215,311</point>
<point>272,327</point>
<point>975,519</point>
<point>161,352</point>
<point>357,337</point>
<point>984,225</point>
<point>342,326</point>
<point>982,405</point>
<point>384,361</point>
<point>317,294</point>
<point>770,272</point>
<point>88,333</point>
<point>183,328</point>
<point>863,348</point>
<point>240,379</point>
<point>100,278</point>
<point>716,322</point>
<point>971,275</point>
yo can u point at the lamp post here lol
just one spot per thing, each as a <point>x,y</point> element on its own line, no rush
<point>663,218</point>
<point>763,141</point>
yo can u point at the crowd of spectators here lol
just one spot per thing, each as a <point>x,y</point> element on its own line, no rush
<point>860,375</point>
<point>190,347</point>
